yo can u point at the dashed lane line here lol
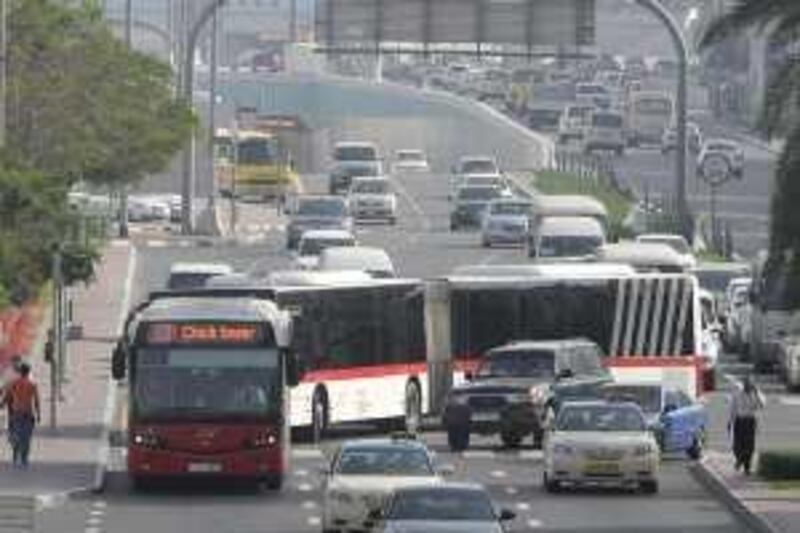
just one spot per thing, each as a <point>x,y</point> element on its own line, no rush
<point>314,521</point>
<point>535,524</point>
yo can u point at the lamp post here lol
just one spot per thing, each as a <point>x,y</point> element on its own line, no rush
<point>123,194</point>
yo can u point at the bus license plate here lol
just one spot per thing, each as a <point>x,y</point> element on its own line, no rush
<point>204,468</point>
<point>602,468</point>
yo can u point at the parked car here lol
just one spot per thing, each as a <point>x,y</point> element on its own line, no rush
<point>723,151</point>
<point>679,423</point>
<point>447,507</point>
<point>316,212</point>
<point>519,387</point>
<point>507,221</point>
<point>602,443</point>
<point>372,198</point>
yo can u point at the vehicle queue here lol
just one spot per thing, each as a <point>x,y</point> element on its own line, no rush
<point>358,332</point>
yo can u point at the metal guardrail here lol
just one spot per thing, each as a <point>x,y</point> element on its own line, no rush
<point>17,514</point>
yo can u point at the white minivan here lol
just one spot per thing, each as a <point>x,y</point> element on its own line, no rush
<point>560,238</point>
<point>374,261</point>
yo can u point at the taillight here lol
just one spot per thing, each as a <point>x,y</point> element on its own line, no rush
<point>264,439</point>
<point>147,439</point>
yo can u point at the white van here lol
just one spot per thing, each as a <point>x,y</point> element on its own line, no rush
<point>558,238</point>
<point>374,261</point>
<point>570,205</point>
<point>195,275</point>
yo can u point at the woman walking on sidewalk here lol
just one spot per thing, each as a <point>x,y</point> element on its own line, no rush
<point>745,402</point>
<point>22,398</point>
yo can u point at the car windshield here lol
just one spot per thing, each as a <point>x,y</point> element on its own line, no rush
<point>507,208</point>
<point>441,504</point>
<point>355,153</point>
<point>322,207</point>
<point>311,247</point>
<point>623,418</point>
<point>646,397</point>
<point>568,245</point>
<point>371,187</point>
<point>410,156</point>
<point>606,120</point>
<point>522,363</point>
<point>190,382</point>
<point>478,194</point>
<point>478,166</point>
<point>384,460</point>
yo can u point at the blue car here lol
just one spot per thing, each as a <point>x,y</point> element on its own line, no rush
<point>678,421</point>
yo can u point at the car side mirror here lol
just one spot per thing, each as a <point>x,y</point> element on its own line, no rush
<point>506,515</point>
<point>118,361</point>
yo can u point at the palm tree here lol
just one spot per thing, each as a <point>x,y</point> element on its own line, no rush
<point>780,21</point>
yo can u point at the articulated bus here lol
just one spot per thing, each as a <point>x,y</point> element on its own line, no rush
<point>208,380</point>
<point>648,325</point>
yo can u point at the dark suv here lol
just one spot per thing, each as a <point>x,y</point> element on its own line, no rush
<point>518,387</point>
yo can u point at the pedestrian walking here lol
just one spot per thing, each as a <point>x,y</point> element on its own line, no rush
<point>10,375</point>
<point>22,399</point>
<point>745,403</point>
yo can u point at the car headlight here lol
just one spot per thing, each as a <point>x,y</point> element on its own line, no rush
<point>562,449</point>
<point>538,394</point>
<point>643,449</point>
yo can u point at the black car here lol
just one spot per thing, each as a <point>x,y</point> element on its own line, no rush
<point>470,204</point>
<point>518,387</point>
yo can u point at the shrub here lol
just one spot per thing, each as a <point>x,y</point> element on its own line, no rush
<point>779,464</point>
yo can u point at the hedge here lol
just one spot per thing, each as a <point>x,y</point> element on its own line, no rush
<point>779,465</point>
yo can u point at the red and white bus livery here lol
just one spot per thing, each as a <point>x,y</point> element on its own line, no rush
<point>208,388</point>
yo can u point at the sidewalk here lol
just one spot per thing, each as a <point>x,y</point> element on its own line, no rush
<point>763,508</point>
<point>64,460</point>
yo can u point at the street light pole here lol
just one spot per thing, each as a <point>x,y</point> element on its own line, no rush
<point>681,49</point>
<point>186,86</point>
<point>123,195</point>
<point>212,111</point>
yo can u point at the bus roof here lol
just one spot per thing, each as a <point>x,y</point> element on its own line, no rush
<point>569,226</point>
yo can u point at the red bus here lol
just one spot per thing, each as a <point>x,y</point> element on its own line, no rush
<point>208,379</point>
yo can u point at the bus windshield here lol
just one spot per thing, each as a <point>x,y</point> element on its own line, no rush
<point>190,382</point>
<point>256,151</point>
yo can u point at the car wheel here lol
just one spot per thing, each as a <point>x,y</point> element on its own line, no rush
<point>413,408</point>
<point>511,439</point>
<point>458,438</point>
<point>649,487</point>
<point>319,416</point>
<point>695,451</point>
<point>550,485</point>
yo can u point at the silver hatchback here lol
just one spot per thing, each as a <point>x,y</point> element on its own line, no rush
<point>507,221</point>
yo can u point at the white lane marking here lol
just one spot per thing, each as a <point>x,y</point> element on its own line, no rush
<point>534,523</point>
<point>97,512</point>
<point>789,401</point>
<point>531,454</point>
<point>308,504</point>
<point>305,487</point>
<point>92,530</point>
<point>511,491</point>
<point>499,474</point>
<point>478,454</point>
<point>301,473</point>
<point>94,521</point>
<point>523,506</point>
<point>426,222</point>
<point>104,448</point>
<point>99,504</point>
<point>314,521</point>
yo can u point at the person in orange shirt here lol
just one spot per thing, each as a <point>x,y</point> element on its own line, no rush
<point>22,398</point>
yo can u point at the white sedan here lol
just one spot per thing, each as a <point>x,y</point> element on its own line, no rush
<point>597,442</point>
<point>363,475</point>
<point>409,160</point>
<point>373,198</point>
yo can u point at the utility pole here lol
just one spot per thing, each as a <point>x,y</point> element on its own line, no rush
<point>123,194</point>
<point>3,68</point>
<point>212,111</point>
<point>186,88</point>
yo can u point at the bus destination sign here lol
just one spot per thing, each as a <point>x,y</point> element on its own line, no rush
<point>202,333</point>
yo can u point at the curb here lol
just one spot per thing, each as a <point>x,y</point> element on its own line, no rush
<point>712,482</point>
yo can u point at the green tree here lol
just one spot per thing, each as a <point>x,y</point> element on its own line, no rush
<point>779,20</point>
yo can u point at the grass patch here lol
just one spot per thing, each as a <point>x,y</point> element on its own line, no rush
<point>561,183</point>
<point>785,485</point>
